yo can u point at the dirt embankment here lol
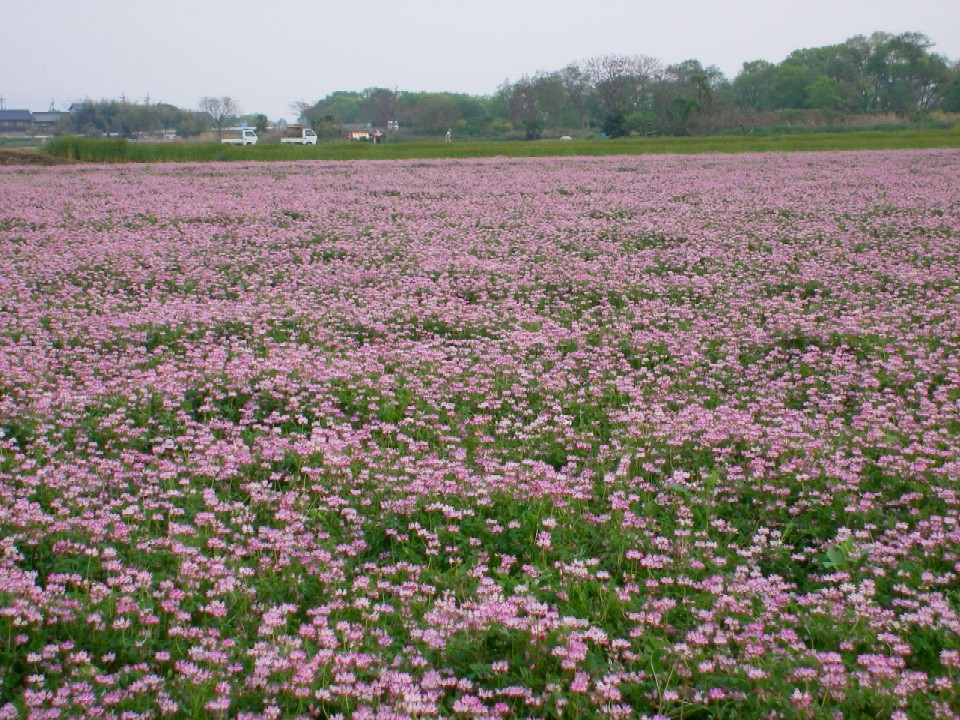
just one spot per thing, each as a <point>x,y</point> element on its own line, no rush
<point>29,157</point>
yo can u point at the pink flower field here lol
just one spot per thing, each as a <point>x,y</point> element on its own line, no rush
<point>649,436</point>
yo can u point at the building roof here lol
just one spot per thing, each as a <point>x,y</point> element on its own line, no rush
<point>49,116</point>
<point>16,116</point>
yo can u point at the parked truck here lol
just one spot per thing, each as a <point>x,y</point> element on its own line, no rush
<point>243,136</point>
<point>298,135</point>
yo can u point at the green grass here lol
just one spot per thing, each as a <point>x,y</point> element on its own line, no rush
<point>91,150</point>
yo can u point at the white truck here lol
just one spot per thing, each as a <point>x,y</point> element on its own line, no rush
<point>298,135</point>
<point>243,136</point>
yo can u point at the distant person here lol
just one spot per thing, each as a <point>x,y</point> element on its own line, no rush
<point>449,138</point>
<point>376,137</point>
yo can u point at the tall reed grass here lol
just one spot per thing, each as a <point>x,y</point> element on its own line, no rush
<point>89,149</point>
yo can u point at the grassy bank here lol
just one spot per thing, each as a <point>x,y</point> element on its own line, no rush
<point>91,150</point>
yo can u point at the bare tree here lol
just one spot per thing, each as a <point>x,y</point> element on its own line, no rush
<point>623,81</point>
<point>221,110</point>
<point>300,108</point>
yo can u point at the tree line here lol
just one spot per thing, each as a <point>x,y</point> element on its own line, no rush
<point>129,119</point>
<point>879,75</point>
<point>624,94</point>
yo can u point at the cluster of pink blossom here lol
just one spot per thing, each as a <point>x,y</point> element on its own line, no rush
<point>583,437</point>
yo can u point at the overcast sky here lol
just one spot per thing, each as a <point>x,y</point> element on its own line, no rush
<point>269,55</point>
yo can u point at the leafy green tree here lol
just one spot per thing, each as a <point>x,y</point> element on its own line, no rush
<point>904,76</point>
<point>751,87</point>
<point>615,122</point>
<point>823,94</point>
<point>850,70</point>
<point>343,105</point>
<point>951,90</point>
<point>475,115</point>
<point>841,66</point>
<point>788,87</point>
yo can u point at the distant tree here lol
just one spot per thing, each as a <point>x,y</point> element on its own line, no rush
<point>533,129</point>
<point>190,124</point>
<point>614,122</point>
<point>578,92</point>
<point>551,99</point>
<point>951,89</point>
<point>261,122</point>
<point>300,108</point>
<point>520,101</point>
<point>623,83</point>
<point>903,75</point>
<point>90,119</point>
<point>472,115</point>
<point>824,94</point>
<point>325,126</point>
<point>751,87</point>
<point>836,75</point>
<point>107,117</point>
<point>221,111</point>
<point>379,106</point>
<point>624,94</point>
<point>431,113</point>
<point>788,86</point>
<point>687,90</point>
<point>850,70</point>
<point>343,105</point>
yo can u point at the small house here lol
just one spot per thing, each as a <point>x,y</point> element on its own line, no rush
<point>47,120</point>
<point>16,121</point>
